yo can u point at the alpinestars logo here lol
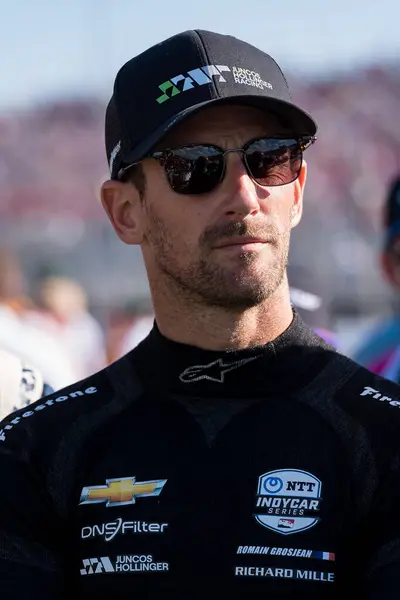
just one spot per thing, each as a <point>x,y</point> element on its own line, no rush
<point>214,371</point>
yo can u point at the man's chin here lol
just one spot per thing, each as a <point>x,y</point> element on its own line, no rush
<point>236,297</point>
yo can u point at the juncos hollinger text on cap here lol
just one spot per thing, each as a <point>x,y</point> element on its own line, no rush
<point>169,81</point>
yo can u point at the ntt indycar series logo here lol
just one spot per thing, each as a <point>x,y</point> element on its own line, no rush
<point>288,500</point>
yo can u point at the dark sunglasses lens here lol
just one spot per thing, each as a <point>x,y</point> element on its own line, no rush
<point>274,162</point>
<point>194,169</point>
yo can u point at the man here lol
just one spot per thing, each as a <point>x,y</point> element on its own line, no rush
<point>232,452</point>
<point>378,349</point>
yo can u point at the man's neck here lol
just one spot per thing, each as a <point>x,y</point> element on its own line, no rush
<point>215,328</point>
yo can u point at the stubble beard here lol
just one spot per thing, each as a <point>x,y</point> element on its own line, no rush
<point>205,282</point>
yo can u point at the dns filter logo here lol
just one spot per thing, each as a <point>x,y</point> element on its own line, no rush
<point>288,500</point>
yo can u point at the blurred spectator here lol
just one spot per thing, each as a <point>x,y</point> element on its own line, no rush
<point>128,327</point>
<point>20,384</point>
<point>62,311</point>
<point>140,328</point>
<point>379,345</point>
<point>17,336</point>
<point>309,298</point>
<point>392,369</point>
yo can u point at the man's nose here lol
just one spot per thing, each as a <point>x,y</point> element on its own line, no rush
<point>243,195</point>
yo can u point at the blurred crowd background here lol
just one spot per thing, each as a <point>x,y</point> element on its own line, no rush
<point>68,286</point>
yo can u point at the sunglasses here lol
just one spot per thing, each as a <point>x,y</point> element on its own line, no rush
<point>199,168</point>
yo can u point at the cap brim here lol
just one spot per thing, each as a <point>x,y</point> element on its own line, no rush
<point>292,116</point>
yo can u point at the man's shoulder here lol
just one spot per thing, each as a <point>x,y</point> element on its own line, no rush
<point>54,412</point>
<point>367,397</point>
<point>53,415</point>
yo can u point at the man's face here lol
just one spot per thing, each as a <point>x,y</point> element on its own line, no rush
<point>228,247</point>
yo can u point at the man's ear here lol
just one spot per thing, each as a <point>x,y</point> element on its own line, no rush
<point>299,184</point>
<point>122,203</point>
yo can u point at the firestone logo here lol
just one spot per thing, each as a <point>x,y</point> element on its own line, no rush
<point>369,391</point>
<point>39,407</point>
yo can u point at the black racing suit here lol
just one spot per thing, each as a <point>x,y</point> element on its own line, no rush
<point>270,472</point>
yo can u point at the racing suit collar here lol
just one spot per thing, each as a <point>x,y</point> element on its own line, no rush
<point>281,364</point>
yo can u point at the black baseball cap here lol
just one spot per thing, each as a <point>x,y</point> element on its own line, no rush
<point>177,77</point>
<point>392,212</point>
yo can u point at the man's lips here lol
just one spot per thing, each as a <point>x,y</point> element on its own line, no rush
<point>241,241</point>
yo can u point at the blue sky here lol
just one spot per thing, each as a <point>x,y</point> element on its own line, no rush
<point>69,47</point>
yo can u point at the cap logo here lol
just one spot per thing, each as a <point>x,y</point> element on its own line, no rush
<point>191,79</point>
<point>204,75</point>
<point>113,154</point>
<point>247,77</point>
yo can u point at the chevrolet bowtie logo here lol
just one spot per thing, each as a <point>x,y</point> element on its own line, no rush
<point>214,371</point>
<point>118,492</point>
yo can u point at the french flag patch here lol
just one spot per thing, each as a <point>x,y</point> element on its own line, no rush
<point>324,555</point>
